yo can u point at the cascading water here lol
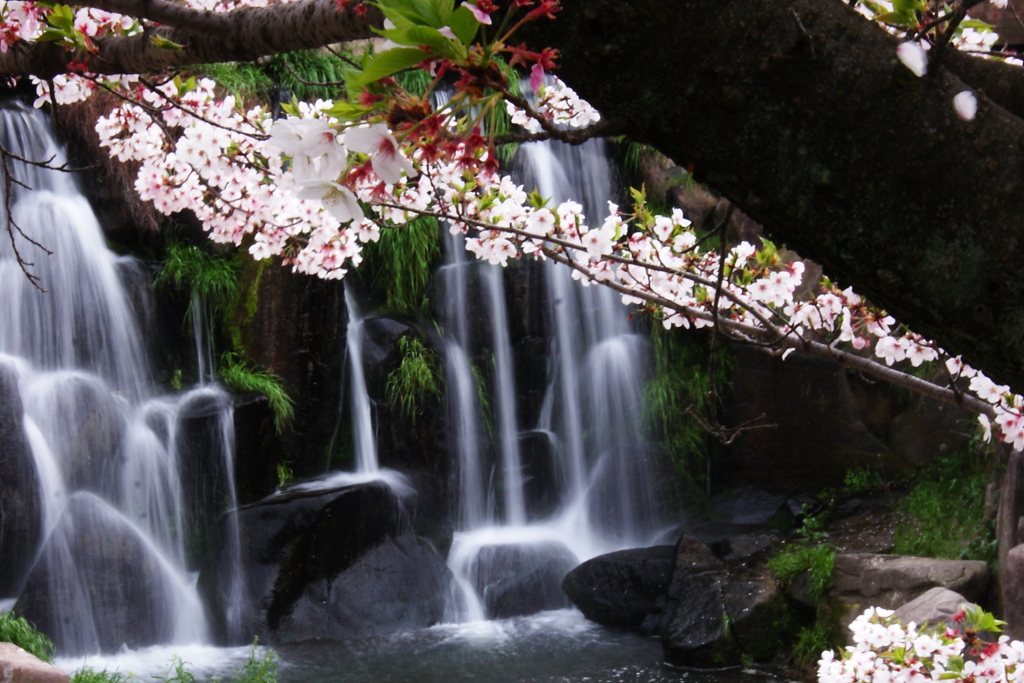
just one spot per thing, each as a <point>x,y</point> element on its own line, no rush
<point>120,530</point>
<point>589,420</point>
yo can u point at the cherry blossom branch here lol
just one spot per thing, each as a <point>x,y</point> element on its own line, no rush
<point>742,332</point>
<point>171,14</point>
<point>249,33</point>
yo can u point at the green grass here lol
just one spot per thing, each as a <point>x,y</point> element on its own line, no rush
<point>944,514</point>
<point>415,380</point>
<point>245,80</point>
<point>23,633</point>
<point>259,668</point>
<point>810,643</point>
<point>242,376</point>
<point>794,560</point>
<point>401,262</point>
<point>214,278</point>
<point>88,675</point>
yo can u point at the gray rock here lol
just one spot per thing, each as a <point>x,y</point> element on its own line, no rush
<point>862,580</point>
<point>18,666</point>
<point>398,585</point>
<point>1011,511</point>
<point>520,579</point>
<point>624,588</point>
<point>1013,592</point>
<point>934,608</point>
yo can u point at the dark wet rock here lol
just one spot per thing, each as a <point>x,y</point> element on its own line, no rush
<point>521,578</point>
<point>98,585</point>
<point>750,505</point>
<point>19,490</point>
<point>203,436</point>
<point>740,547</point>
<point>820,428</point>
<point>340,557</point>
<point>623,588</point>
<point>757,612</point>
<point>935,607</point>
<point>539,456</point>
<point>397,585</point>
<point>293,325</point>
<point>696,631</point>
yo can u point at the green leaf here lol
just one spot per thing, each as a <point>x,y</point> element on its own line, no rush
<point>431,37</point>
<point>400,14</point>
<point>388,63</point>
<point>464,24</point>
<point>164,44</point>
<point>896,18</point>
<point>908,6</point>
<point>346,111</point>
<point>444,9</point>
<point>62,17</point>
<point>51,34</point>
<point>429,11</point>
<point>976,24</point>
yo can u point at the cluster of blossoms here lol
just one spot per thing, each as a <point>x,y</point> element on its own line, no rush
<point>884,651</point>
<point>314,187</point>
<point>559,104</point>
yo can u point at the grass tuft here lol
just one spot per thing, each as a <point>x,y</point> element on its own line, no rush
<point>415,380</point>
<point>24,634</point>
<point>89,675</point>
<point>242,376</point>
<point>402,260</point>
<point>794,560</point>
<point>213,278</point>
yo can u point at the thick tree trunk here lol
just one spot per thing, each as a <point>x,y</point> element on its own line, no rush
<point>799,111</point>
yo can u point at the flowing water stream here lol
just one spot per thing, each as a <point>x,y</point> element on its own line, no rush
<point>131,482</point>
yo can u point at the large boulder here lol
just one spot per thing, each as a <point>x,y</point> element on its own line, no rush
<point>18,666</point>
<point>19,490</point>
<point>717,615</point>
<point>99,585</point>
<point>517,579</point>
<point>624,588</point>
<point>862,580</point>
<point>326,563</point>
<point>399,584</point>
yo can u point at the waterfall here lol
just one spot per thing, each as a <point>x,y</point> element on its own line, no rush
<point>588,421</point>
<point>130,482</point>
<point>362,417</point>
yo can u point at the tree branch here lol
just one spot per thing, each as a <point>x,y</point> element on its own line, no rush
<point>246,34</point>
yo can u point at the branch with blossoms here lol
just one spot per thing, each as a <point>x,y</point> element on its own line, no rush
<point>885,651</point>
<point>313,188</point>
